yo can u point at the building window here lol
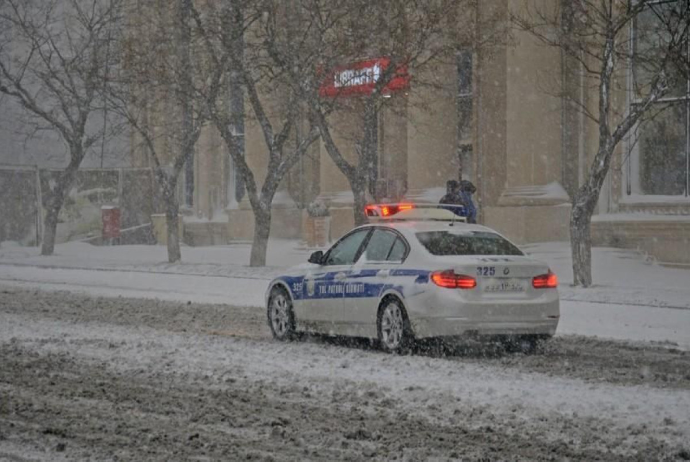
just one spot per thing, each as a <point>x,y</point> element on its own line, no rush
<point>663,152</point>
<point>188,197</point>
<point>660,146</point>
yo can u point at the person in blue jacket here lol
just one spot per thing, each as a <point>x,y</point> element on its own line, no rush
<point>465,191</point>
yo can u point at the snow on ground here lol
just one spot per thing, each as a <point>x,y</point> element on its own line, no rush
<point>622,322</point>
<point>633,299</point>
<point>236,291</point>
<point>416,380</point>
<point>221,259</point>
<point>140,379</point>
<point>621,276</point>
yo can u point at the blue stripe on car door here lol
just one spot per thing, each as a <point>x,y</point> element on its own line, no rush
<point>333,289</point>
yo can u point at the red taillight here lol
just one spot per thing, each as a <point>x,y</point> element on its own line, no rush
<point>545,281</point>
<point>450,280</point>
<point>385,211</point>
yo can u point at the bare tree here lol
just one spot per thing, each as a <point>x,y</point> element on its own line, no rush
<point>52,61</point>
<point>409,37</point>
<point>595,35</point>
<point>234,65</point>
<point>155,94</point>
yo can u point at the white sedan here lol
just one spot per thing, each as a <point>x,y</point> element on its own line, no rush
<point>416,277</point>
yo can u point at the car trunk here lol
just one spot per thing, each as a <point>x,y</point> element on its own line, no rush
<point>500,278</point>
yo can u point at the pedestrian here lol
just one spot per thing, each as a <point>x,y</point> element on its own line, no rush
<point>452,200</point>
<point>465,191</point>
<point>451,196</point>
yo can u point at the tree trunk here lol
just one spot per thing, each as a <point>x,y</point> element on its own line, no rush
<point>172,211</point>
<point>369,158</point>
<point>57,200</point>
<point>262,230</point>
<point>584,203</point>
<point>236,103</point>
<point>581,242</point>
<point>50,228</point>
<point>359,192</point>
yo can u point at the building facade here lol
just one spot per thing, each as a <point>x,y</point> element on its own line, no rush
<point>495,115</point>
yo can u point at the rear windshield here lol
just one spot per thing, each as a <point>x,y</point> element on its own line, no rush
<point>469,243</point>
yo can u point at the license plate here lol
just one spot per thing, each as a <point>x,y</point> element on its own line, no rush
<point>504,286</point>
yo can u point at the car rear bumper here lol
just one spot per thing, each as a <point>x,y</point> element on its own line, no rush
<point>443,316</point>
<point>460,327</point>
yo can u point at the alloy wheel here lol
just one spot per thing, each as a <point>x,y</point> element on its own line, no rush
<point>392,326</point>
<point>280,315</point>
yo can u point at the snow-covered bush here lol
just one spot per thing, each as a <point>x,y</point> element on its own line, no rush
<point>318,209</point>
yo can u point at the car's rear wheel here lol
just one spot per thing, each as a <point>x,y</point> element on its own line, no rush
<point>394,332</point>
<point>281,317</point>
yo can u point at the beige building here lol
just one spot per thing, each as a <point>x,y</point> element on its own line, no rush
<point>524,148</point>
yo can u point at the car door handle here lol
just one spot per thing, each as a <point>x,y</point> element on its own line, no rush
<point>340,277</point>
<point>383,273</point>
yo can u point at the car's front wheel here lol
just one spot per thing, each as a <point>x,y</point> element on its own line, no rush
<point>394,332</point>
<point>281,318</point>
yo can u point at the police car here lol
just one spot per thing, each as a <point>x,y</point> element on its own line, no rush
<point>417,272</point>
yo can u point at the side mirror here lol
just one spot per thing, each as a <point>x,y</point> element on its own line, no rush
<point>316,257</point>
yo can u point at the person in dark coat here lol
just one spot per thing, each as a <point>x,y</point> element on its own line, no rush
<point>452,199</point>
<point>452,195</point>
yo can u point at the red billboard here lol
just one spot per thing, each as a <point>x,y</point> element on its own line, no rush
<point>360,78</point>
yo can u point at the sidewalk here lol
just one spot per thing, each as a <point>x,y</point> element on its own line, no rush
<point>225,260</point>
<point>633,299</point>
<point>621,276</point>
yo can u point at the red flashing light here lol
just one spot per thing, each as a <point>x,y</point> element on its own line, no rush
<point>450,280</point>
<point>545,281</point>
<point>386,210</point>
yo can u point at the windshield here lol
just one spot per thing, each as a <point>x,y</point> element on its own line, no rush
<point>444,243</point>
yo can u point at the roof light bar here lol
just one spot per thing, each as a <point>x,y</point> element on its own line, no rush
<point>407,211</point>
<point>386,210</point>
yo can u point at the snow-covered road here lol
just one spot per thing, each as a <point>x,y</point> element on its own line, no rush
<point>143,379</point>
<point>608,320</point>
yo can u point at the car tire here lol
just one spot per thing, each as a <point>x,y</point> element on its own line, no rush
<point>281,316</point>
<point>393,327</point>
